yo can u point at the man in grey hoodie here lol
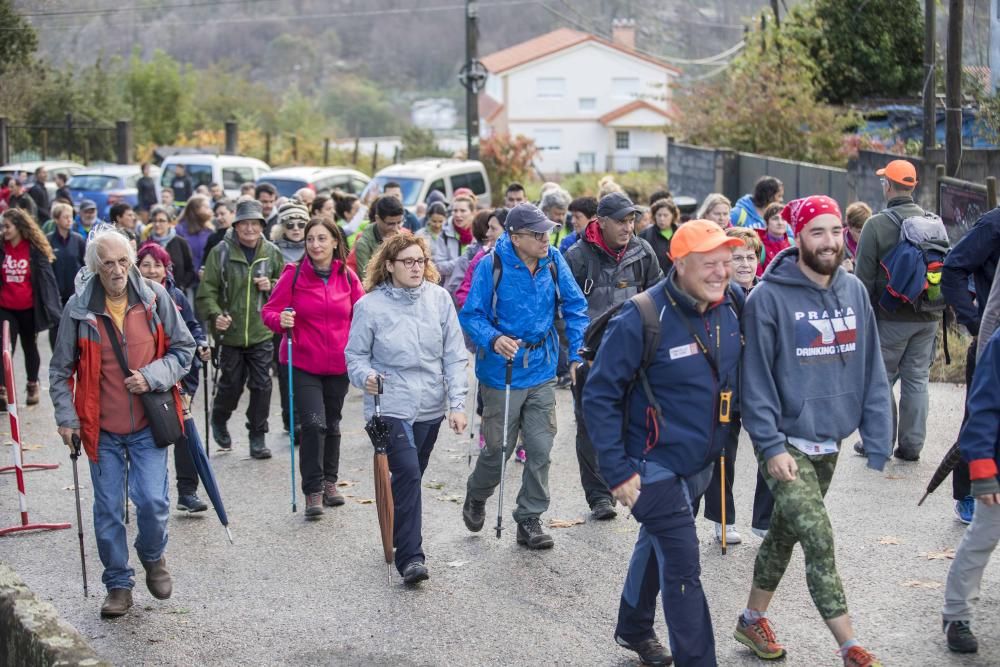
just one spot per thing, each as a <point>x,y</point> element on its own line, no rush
<point>812,374</point>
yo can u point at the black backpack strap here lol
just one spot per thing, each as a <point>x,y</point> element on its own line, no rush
<point>554,270</point>
<point>298,268</point>
<point>650,343</point>
<point>497,275</point>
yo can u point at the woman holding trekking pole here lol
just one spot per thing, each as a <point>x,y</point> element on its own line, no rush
<point>313,302</point>
<point>406,332</point>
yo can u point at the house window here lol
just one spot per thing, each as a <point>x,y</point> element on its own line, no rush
<point>550,87</point>
<point>621,140</point>
<point>588,103</point>
<point>625,88</point>
<point>548,140</point>
<point>586,163</point>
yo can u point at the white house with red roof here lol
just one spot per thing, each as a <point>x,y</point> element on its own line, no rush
<point>589,103</point>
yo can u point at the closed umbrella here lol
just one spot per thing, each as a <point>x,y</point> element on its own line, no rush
<point>378,431</point>
<point>205,473</point>
<point>944,469</point>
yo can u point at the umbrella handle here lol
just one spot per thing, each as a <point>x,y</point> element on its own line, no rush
<point>378,402</point>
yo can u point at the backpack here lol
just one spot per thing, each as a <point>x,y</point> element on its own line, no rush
<point>928,235</point>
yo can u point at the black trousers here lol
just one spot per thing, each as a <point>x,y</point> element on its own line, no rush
<point>960,484</point>
<point>22,323</point>
<point>594,486</point>
<point>319,400</point>
<point>281,372</point>
<point>248,366</point>
<point>763,501</point>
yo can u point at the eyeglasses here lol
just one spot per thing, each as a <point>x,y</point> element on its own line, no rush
<point>409,262</point>
<point>883,181</point>
<point>538,236</point>
<point>292,224</point>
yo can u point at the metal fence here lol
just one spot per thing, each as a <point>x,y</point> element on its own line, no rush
<point>73,140</point>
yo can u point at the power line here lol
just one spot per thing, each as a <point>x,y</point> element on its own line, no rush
<point>296,17</point>
<point>134,8</point>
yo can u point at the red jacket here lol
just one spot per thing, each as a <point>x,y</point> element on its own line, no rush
<point>771,249</point>
<point>323,314</point>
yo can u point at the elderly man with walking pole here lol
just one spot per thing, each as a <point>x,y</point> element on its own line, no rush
<point>98,402</point>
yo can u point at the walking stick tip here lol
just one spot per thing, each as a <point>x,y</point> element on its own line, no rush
<point>229,534</point>
<point>923,499</point>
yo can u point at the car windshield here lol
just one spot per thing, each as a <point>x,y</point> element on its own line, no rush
<point>92,182</point>
<point>410,187</point>
<point>200,174</point>
<point>287,187</point>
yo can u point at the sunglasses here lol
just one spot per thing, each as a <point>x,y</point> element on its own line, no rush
<point>292,224</point>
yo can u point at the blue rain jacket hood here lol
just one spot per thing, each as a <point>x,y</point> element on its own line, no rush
<point>812,366</point>
<point>525,311</point>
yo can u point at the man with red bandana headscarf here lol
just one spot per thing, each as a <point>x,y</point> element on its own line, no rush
<point>812,374</point>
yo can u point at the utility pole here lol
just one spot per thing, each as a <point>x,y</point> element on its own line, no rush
<point>994,60</point>
<point>930,87</point>
<point>472,85</point>
<point>953,89</point>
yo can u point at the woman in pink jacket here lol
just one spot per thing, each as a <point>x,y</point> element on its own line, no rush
<point>321,292</point>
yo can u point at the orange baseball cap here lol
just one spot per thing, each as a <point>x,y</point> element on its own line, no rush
<point>899,171</point>
<point>700,236</point>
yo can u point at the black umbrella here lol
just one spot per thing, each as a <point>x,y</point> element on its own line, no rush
<point>378,431</point>
<point>205,473</point>
<point>944,469</point>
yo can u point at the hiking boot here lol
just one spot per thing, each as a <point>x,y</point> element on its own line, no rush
<point>858,657</point>
<point>732,537</point>
<point>116,603</point>
<point>960,637</point>
<point>220,433</point>
<point>33,394</point>
<point>859,449</point>
<point>531,535</point>
<point>331,495</point>
<point>158,579</point>
<point>415,572</point>
<point>314,505</point>
<point>258,446</point>
<point>759,532</point>
<point>564,382</point>
<point>759,638</point>
<point>474,514</point>
<point>651,651</point>
<point>603,510</point>
<point>965,509</point>
<point>190,502</point>
<point>904,455</point>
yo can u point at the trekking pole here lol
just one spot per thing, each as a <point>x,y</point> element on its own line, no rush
<point>75,454</point>
<point>503,452</point>
<point>291,411</point>
<point>722,494</point>
<point>472,419</point>
<point>208,434</point>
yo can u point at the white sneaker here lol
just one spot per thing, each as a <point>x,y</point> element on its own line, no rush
<point>759,532</point>
<point>732,537</point>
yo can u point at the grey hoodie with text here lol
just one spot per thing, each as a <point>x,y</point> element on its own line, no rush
<point>812,365</point>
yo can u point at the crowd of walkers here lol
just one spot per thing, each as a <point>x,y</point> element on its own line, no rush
<point>789,320</point>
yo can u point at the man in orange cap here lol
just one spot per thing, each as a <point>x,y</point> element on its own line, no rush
<point>676,345</point>
<point>907,335</point>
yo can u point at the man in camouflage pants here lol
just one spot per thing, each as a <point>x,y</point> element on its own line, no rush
<point>812,374</point>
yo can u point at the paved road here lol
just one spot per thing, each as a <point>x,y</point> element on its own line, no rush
<point>296,593</point>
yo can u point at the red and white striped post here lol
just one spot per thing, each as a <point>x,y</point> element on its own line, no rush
<point>20,465</point>
<point>15,435</point>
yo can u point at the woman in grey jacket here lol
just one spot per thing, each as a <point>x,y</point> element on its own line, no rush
<point>406,332</point>
<point>445,248</point>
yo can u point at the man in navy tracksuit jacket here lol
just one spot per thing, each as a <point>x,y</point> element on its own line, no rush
<point>657,465</point>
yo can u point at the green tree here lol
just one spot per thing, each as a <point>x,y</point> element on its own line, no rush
<point>19,39</point>
<point>420,143</point>
<point>766,102</point>
<point>862,48</point>
<point>506,159</point>
<point>159,93</point>
<point>361,108</point>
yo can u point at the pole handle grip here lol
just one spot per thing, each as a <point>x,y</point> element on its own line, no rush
<point>510,371</point>
<point>75,454</point>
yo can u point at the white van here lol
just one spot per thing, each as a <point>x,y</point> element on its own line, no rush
<point>231,171</point>
<point>418,178</point>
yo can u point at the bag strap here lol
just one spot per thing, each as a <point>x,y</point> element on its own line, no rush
<point>893,215</point>
<point>650,344</point>
<point>116,345</point>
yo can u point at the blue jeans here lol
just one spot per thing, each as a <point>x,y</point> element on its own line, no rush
<point>665,563</point>
<point>147,481</point>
